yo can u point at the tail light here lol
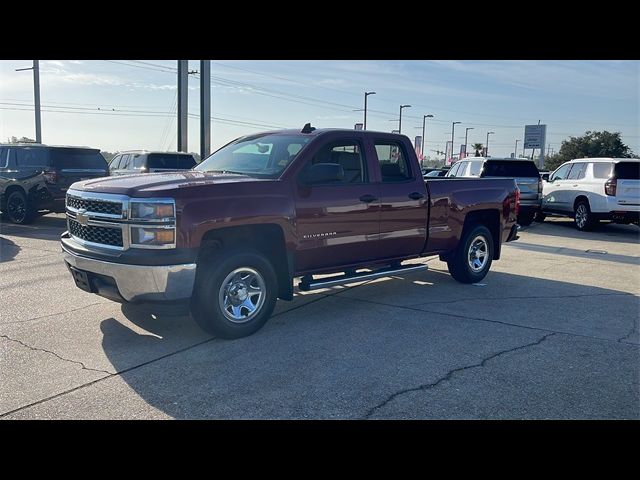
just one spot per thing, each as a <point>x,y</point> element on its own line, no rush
<point>517,201</point>
<point>610,186</point>
<point>50,176</point>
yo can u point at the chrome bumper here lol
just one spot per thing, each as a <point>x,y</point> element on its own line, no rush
<point>140,283</point>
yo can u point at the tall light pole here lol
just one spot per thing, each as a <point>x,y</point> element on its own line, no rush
<point>466,136</point>
<point>515,150</point>
<point>486,153</point>
<point>424,119</point>
<point>366,94</point>
<point>400,119</point>
<point>36,96</point>
<point>453,127</point>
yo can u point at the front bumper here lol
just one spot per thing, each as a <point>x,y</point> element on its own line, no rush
<point>132,283</point>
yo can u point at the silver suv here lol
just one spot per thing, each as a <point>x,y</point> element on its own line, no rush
<point>523,170</point>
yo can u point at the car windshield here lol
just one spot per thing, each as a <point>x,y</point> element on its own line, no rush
<point>510,168</point>
<point>257,155</point>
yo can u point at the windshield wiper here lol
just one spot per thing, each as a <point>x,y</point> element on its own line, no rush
<point>227,171</point>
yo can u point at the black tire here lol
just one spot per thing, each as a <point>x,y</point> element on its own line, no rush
<point>582,216</point>
<point>206,307</point>
<point>458,264</point>
<point>17,208</point>
<point>540,216</point>
<point>526,218</point>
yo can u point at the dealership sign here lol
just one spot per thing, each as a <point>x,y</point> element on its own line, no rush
<point>534,136</point>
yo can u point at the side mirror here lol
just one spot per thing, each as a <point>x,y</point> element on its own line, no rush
<point>324,173</point>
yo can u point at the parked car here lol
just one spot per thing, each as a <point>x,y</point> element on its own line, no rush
<point>436,173</point>
<point>35,177</point>
<point>524,171</point>
<point>229,237</point>
<point>594,189</point>
<point>143,161</point>
<point>544,174</point>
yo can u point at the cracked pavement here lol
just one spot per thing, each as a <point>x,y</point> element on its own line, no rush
<point>552,332</point>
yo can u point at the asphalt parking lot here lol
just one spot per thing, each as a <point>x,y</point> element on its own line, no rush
<point>552,332</point>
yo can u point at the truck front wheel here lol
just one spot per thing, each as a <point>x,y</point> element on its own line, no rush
<point>235,294</point>
<point>472,258</point>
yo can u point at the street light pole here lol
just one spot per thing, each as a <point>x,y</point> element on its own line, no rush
<point>486,153</point>
<point>366,94</point>
<point>466,136</point>
<point>36,96</point>
<point>400,119</point>
<point>422,143</point>
<point>453,126</point>
<point>515,150</point>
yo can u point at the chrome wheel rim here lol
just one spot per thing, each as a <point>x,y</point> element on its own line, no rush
<point>581,215</point>
<point>242,295</point>
<point>478,253</point>
<point>16,208</point>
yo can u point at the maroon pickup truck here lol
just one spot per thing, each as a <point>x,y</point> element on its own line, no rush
<point>228,238</point>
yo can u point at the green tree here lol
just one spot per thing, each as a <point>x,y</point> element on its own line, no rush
<point>20,140</point>
<point>478,148</point>
<point>589,145</point>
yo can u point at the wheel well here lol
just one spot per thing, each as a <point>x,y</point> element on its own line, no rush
<point>578,199</point>
<point>9,191</point>
<point>268,239</point>
<point>491,220</point>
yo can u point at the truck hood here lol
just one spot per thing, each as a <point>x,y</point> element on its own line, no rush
<point>151,184</point>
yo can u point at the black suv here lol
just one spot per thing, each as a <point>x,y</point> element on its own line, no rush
<point>143,161</point>
<point>35,177</point>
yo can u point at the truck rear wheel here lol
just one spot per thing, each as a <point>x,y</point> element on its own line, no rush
<point>235,294</point>
<point>472,259</point>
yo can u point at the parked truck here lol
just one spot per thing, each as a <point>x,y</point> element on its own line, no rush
<point>228,238</point>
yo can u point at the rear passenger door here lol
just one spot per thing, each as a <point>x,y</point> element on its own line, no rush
<point>338,222</point>
<point>404,204</point>
<point>555,191</point>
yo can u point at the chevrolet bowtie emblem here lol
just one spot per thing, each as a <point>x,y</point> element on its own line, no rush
<point>81,218</point>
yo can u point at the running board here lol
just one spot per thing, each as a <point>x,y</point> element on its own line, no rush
<point>307,283</point>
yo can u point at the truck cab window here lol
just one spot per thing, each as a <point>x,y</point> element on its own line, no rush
<point>393,161</point>
<point>349,155</point>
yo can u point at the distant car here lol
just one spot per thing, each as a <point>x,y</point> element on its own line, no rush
<point>523,170</point>
<point>594,189</point>
<point>35,177</point>
<point>544,174</point>
<point>436,173</point>
<point>143,161</point>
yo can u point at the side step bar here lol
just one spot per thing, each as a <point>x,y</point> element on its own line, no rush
<point>308,283</point>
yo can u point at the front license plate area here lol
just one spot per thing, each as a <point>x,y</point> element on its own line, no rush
<point>81,278</point>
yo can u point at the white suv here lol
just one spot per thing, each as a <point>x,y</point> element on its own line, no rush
<point>594,189</point>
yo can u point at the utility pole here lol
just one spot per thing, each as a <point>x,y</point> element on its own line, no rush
<point>183,89</point>
<point>515,150</point>
<point>486,153</point>
<point>453,126</point>
<point>205,108</point>
<point>36,96</point>
<point>422,143</point>
<point>466,136</point>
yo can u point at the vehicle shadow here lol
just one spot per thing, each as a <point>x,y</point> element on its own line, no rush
<point>565,227</point>
<point>337,356</point>
<point>8,250</point>
<point>47,227</point>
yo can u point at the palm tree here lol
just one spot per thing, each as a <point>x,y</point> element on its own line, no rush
<point>478,148</point>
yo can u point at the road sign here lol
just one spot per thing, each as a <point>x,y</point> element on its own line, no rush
<point>534,136</point>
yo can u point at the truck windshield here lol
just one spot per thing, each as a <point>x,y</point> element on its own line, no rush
<point>257,155</point>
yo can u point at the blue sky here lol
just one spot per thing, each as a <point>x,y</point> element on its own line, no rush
<point>137,99</point>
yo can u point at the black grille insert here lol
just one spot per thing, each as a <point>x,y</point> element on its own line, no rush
<point>97,206</point>
<point>102,235</point>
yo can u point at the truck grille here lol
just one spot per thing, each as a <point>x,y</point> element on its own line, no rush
<point>96,206</point>
<point>103,235</point>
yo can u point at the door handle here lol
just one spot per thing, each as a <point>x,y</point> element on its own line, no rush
<point>575,185</point>
<point>368,198</point>
<point>416,195</point>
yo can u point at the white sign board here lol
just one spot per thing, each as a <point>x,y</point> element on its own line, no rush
<point>534,136</point>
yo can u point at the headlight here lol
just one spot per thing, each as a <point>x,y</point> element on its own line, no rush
<point>153,237</point>
<point>157,210</point>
